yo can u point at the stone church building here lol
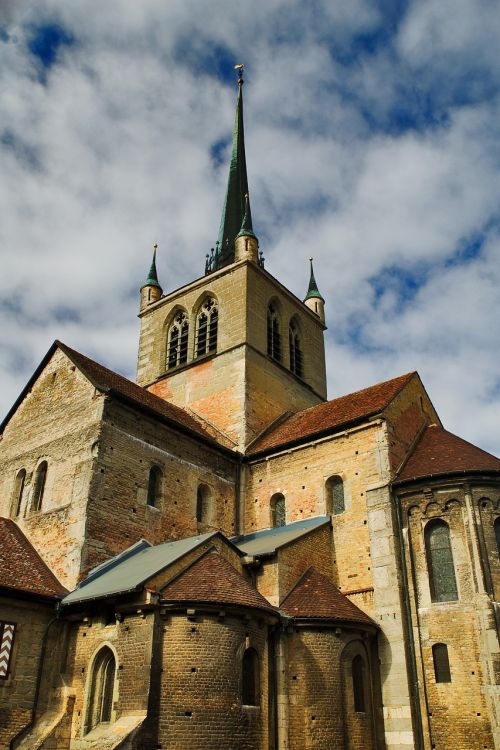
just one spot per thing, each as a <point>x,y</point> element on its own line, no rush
<point>218,557</point>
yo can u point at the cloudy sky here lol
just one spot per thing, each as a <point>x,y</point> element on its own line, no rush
<point>373,144</point>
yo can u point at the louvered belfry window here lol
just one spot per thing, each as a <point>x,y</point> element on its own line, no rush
<point>207,326</point>
<point>178,335</point>
<point>442,581</point>
<point>273,333</point>
<point>7,631</point>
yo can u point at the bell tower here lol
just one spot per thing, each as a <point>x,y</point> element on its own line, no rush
<point>235,347</point>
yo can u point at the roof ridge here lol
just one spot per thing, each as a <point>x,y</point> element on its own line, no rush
<point>298,581</point>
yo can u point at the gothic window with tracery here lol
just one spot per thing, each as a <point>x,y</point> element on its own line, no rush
<point>17,496</point>
<point>40,479</point>
<point>273,333</point>
<point>278,510</point>
<point>178,334</point>
<point>358,683</point>
<point>441,662</point>
<point>207,327</point>
<point>100,701</point>
<point>335,500</point>
<point>250,678</point>
<point>296,357</point>
<point>443,584</point>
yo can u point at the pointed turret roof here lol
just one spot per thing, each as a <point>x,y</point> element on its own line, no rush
<point>313,290</point>
<point>152,279</point>
<point>314,597</point>
<point>237,189</point>
<point>246,229</point>
<point>439,452</point>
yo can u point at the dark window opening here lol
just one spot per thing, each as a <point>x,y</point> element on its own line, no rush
<point>250,678</point>
<point>441,662</point>
<point>358,683</point>
<point>335,500</point>
<point>153,486</point>
<point>203,504</point>
<point>497,534</point>
<point>273,333</point>
<point>296,357</point>
<point>278,511</point>
<point>18,493</point>
<point>442,581</point>
<point>41,476</point>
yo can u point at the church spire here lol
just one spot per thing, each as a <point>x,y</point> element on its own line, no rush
<point>313,299</point>
<point>151,290</point>
<point>237,188</point>
<point>152,279</point>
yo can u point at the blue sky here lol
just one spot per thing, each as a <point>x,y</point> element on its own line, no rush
<point>372,144</point>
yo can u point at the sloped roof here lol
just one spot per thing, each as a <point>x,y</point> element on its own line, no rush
<point>440,452</point>
<point>21,567</point>
<point>267,541</point>
<point>129,570</point>
<point>213,580</point>
<point>331,415</point>
<point>315,597</point>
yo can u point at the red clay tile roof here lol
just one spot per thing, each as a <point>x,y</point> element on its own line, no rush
<point>332,414</point>
<point>107,380</point>
<point>213,580</point>
<point>21,567</point>
<point>315,597</point>
<point>440,452</point>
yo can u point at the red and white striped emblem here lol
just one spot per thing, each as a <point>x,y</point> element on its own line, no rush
<point>6,642</point>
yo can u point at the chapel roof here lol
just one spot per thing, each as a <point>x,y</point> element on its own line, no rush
<point>315,597</point>
<point>213,580</point>
<point>331,415</point>
<point>268,541</point>
<point>439,452</point>
<point>21,567</point>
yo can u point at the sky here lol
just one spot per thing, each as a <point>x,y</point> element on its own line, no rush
<point>372,144</point>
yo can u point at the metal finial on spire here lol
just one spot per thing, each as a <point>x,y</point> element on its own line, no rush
<point>239,67</point>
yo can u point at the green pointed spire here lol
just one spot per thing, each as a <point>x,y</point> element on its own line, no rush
<point>152,279</point>
<point>237,188</point>
<point>246,229</point>
<point>313,290</point>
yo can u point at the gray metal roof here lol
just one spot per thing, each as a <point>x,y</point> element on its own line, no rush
<point>269,540</point>
<point>132,567</point>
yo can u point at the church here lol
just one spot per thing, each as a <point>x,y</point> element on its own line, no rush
<point>216,556</point>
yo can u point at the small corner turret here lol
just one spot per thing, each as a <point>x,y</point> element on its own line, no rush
<point>151,291</point>
<point>313,300</point>
<point>246,244</point>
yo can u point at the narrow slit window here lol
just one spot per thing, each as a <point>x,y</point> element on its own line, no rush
<point>250,678</point>
<point>441,662</point>
<point>358,684</point>
<point>40,480</point>
<point>203,504</point>
<point>278,510</point>
<point>154,482</point>
<point>442,581</point>
<point>335,499</point>
<point>17,497</point>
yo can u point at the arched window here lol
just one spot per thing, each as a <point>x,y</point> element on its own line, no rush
<point>273,333</point>
<point>154,486</point>
<point>203,504</point>
<point>207,324</point>
<point>40,477</point>
<point>441,662</point>
<point>250,678</point>
<point>17,496</point>
<point>442,579</point>
<point>278,510</point>
<point>178,334</point>
<point>497,534</point>
<point>335,501</point>
<point>296,358</point>
<point>358,683</point>
<point>102,683</point>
